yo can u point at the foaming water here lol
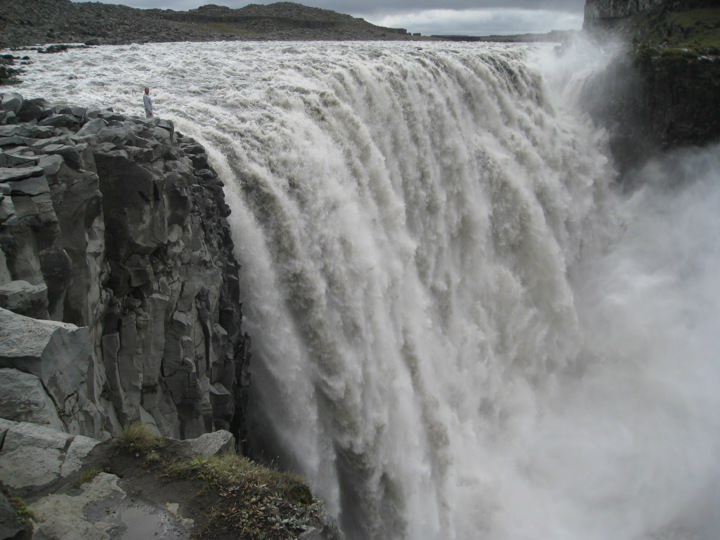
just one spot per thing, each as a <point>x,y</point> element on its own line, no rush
<point>459,332</point>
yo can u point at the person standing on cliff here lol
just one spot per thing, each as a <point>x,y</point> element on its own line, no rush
<point>147,101</point>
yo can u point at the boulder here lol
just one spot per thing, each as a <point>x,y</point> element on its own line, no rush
<point>23,399</point>
<point>19,173</point>
<point>24,298</point>
<point>32,109</point>
<point>210,444</point>
<point>11,102</point>
<point>53,454</point>
<point>60,355</point>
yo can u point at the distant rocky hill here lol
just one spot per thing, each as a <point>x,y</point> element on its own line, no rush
<point>24,23</point>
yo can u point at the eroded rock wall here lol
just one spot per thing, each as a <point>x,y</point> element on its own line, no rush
<point>117,226</point>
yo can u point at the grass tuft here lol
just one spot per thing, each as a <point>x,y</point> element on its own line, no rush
<point>22,510</point>
<point>87,476</point>
<point>136,438</point>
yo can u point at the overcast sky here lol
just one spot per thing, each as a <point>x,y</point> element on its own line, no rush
<point>467,17</point>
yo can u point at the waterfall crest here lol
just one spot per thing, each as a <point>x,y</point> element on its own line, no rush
<point>413,215</point>
<point>445,341</point>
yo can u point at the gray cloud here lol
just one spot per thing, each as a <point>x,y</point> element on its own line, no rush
<point>480,22</point>
<point>418,5</point>
<point>471,17</point>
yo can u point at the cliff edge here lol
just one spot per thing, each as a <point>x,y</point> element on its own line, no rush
<point>119,296</point>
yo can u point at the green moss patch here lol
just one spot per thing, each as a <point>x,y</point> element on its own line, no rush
<point>696,31</point>
<point>699,27</point>
<point>256,502</point>
<point>137,438</point>
<point>24,513</point>
<point>87,476</point>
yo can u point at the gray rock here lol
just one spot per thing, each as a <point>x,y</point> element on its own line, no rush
<point>25,299</point>
<point>210,444</point>
<point>76,453</point>
<point>16,174</point>
<point>93,127</point>
<point>46,449</point>
<point>103,511</point>
<point>11,101</point>
<point>50,164</point>
<point>30,131</point>
<point>60,355</point>
<point>13,160</point>
<point>60,120</point>
<point>36,185</point>
<point>7,210</point>
<point>32,109</point>
<point>23,399</point>
<point>63,516</point>
<point>14,140</point>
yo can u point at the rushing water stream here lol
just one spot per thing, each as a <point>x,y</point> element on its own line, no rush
<point>460,331</point>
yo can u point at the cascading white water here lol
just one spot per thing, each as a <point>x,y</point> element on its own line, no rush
<point>446,344</point>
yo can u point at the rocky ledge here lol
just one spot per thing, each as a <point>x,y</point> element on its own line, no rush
<point>118,283</point>
<point>140,486</point>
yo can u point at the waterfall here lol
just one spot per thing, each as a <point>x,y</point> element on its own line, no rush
<point>459,330</point>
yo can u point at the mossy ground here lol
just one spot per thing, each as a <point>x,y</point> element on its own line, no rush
<point>24,514</point>
<point>682,33</point>
<point>87,476</point>
<point>698,29</point>
<point>228,496</point>
<point>255,502</point>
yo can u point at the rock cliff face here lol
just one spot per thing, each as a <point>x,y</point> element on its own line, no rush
<point>597,11</point>
<point>631,17</point>
<point>661,93</point>
<point>115,227</point>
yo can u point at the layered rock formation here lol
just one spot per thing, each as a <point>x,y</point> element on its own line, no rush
<point>114,229</point>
